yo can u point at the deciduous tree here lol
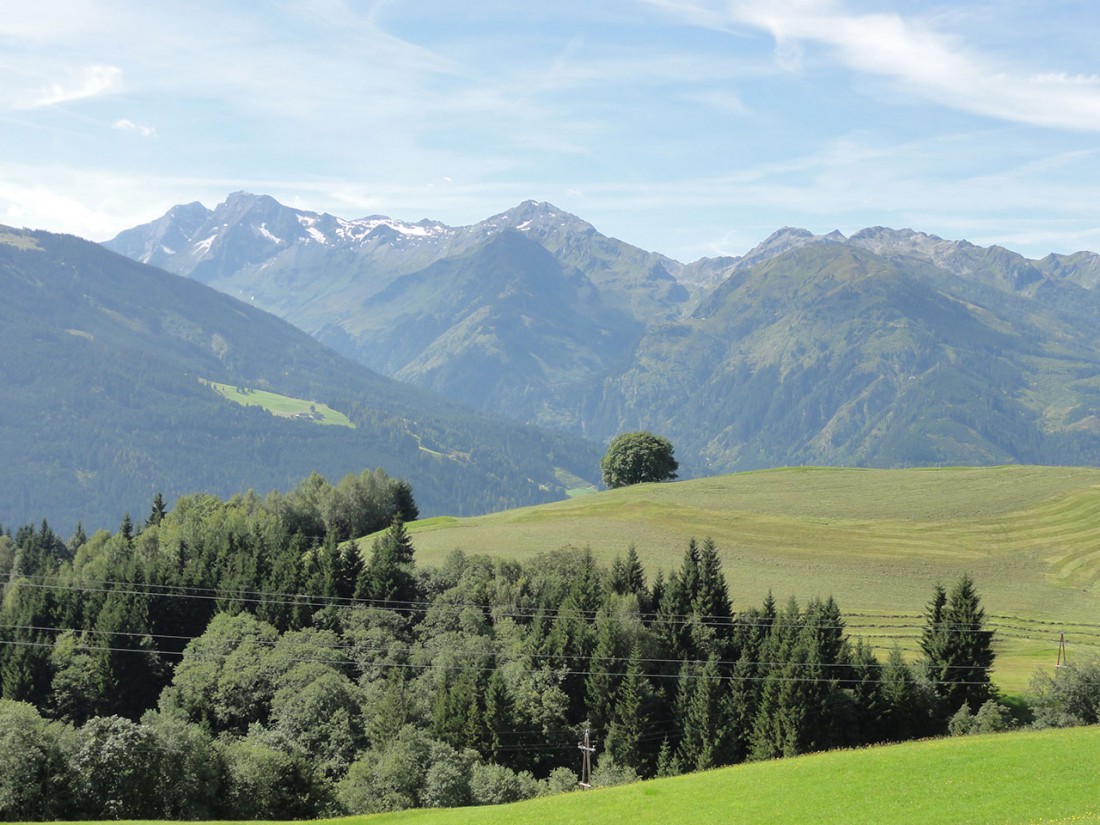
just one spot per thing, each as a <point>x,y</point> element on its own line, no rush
<point>636,457</point>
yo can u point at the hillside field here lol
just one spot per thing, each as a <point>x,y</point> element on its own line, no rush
<point>283,406</point>
<point>877,540</point>
<point>1028,777</point>
<point>1031,777</point>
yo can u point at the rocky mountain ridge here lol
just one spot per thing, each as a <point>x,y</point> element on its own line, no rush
<point>535,314</point>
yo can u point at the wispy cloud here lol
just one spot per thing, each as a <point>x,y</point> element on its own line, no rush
<point>124,125</point>
<point>86,82</point>
<point>936,65</point>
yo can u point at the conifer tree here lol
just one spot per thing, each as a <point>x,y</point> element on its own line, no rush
<point>782,724</point>
<point>129,658</point>
<point>628,576</point>
<point>79,539</point>
<point>631,716</point>
<point>673,622</point>
<point>958,647</point>
<point>710,604</point>
<point>864,684</point>
<point>126,530</point>
<point>934,636</point>
<point>499,720</point>
<point>904,715</point>
<point>601,682</point>
<point>158,512</point>
<point>387,578</point>
<point>704,742</point>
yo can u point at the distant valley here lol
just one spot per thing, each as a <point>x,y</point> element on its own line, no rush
<point>889,348</point>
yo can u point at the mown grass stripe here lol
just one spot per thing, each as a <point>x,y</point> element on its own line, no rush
<point>877,540</point>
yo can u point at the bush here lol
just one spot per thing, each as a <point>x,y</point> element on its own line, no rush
<point>386,778</point>
<point>114,767</point>
<point>608,773</point>
<point>961,723</point>
<point>268,778</point>
<point>1070,697</point>
<point>32,768</point>
<point>494,785</point>
<point>992,717</point>
<point>561,780</point>
<point>447,780</point>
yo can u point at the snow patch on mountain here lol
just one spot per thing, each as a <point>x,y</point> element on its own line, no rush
<point>203,246</point>
<point>264,231</point>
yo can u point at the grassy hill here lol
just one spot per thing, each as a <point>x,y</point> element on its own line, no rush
<point>877,540</point>
<point>1046,776</point>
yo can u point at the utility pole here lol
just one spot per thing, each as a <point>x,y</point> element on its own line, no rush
<point>1062,662</point>
<point>587,748</point>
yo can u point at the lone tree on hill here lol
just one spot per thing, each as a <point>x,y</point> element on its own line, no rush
<point>636,457</point>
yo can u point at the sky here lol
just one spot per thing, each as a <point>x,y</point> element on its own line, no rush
<point>688,127</point>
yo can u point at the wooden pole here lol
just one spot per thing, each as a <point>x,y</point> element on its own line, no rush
<point>587,749</point>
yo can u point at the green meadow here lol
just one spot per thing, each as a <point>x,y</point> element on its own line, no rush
<point>877,540</point>
<point>283,406</point>
<point>1028,777</point>
<point>1032,777</point>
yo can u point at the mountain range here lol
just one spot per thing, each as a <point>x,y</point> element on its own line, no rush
<point>886,348</point>
<point>108,368</point>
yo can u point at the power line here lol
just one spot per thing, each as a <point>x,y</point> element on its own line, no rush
<point>269,598</point>
<point>356,648</point>
<point>561,672</point>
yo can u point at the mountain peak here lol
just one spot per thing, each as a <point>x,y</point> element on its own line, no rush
<point>782,240</point>
<point>542,217</point>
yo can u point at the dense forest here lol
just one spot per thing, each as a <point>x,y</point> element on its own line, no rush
<point>250,653</point>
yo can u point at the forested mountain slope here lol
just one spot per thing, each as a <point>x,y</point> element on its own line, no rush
<point>102,361</point>
<point>510,314</point>
<point>831,353</point>
<point>888,348</point>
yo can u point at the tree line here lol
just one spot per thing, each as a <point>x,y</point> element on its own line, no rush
<point>248,651</point>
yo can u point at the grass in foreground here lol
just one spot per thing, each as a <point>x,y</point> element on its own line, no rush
<point>283,406</point>
<point>1030,777</point>
<point>877,540</point>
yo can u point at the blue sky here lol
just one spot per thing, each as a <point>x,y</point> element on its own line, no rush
<point>690,128</point>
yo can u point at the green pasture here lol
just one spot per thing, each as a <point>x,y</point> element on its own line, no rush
<point>19,240</point>
<point>877,540</point>
<point>1029,777</point>
<point>283,406</point>
<point>1033,777</point>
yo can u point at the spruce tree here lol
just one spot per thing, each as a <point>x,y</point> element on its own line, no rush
<point>158,512</point>
<point>710,604</point>
<point>499,721</point>
<point>704,743</point>
<point>864,684</point>
<point>126,530</point>
<point>628,576</point>
<point>631,717</point>
<point>387,578</point>
<point>934,636</point>
<point>958,649</point>
<point>905,714</point>
<point>601,682</point>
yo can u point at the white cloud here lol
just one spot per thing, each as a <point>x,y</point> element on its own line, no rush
<point>88,81</point>
<point>921,58</point>
<point>125,125</point>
